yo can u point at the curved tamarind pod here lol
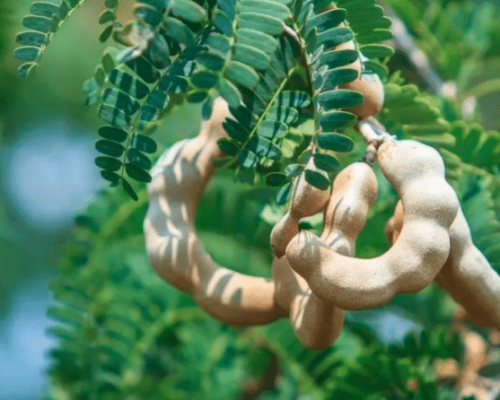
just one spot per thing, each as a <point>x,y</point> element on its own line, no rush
<point>416,172</point>
<point>466,275</point>
<point>306,201</point>
<point>173,246</point>
<point>316,322</point>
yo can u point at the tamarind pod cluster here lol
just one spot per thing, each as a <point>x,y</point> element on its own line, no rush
<point>173,246</point>
<point>416,171</point>
<point>466,275</point>
<point>318,323</point>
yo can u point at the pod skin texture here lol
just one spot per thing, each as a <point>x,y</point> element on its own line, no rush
<point>318,323</point>
<point>174,249</point>
<point>466,275</point>
<point>416,172</point>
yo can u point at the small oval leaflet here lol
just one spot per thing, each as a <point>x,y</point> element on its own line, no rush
<point>143,143</point>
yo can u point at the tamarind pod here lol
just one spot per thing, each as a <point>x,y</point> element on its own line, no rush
<point>416,171</point>
<point>469,277</point>
<point>306,201</point>
<point>316,322</point>
<point>173,246</point>
<point>466,276</point>
<point>369,84</point>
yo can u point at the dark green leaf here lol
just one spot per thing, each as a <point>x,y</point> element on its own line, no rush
<point>106,16</point>
<point>229,92</point>
<point>40,24</point>
<point>218,42</point>
<point>30,38</point>
<point>204,79</point>
<point>339,58</point>
<point>129,84</point>
<point>332,120</point>
<point>210,60</point>
<point>340,98</point>
<point>247,158</point>
<point>250,56</point>
<point>272,129</point>
<point>241,74</point>
<point>293,99</point>
<point>275,179</point>
<point>44,9</point>
<point>138,159</point>
<point>222,22</point>
<point>27,53</point>
<point>326,162</point>
<point>148,14</point>
<point>263,147</point>
<point>260,22</point>
<point>174,84</point>
<point>258,40</point>
<point>227,146</point>
<point>106,33</point>
<point>108,163</point>
<point>287,115</point>
<point>196,96</point>
<point>235,130</point>
<point>189,10</point>
<point>114,116</point>
<point>129,189</point>
<point>337,77</point>
<point>109,148</point>
<point>327,20</point>
<point>137,173</point>
<point>229,7</point>
<point>334,37</point>
<point>284,194</point>
<point>158,99</point>
<point>377,50</point>
<point>206,108</point>
<point>143,143</point>
<point>110,176</point>
<point>144,69</point>
<point>317,179</point>
<point>112,133</point>
<point>265,7</point>
<point>120,100</point>
<point>179,31</point>
<point>149,113</point>
<point>335,142</point>
<point>25,69</point>
<point>294,170</point>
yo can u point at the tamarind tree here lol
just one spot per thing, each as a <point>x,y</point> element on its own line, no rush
<point>271,221</point>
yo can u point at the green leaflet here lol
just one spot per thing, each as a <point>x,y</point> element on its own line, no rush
<point>335,142</point>
<point>326,162</point>
<point>129,84</point>
<point>317,179</point>
<point>44,21</point>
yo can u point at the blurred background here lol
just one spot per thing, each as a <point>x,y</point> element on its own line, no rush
<point>47,173</point>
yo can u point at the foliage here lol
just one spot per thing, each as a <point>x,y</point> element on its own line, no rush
<point>121,332</point>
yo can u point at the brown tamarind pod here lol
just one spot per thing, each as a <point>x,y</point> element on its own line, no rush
<point>318,323</point>
<point>416,171</point>
<point>306,201</point>
<point>174,249</point>
<point>368,83</point>
<point>466,276</point>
